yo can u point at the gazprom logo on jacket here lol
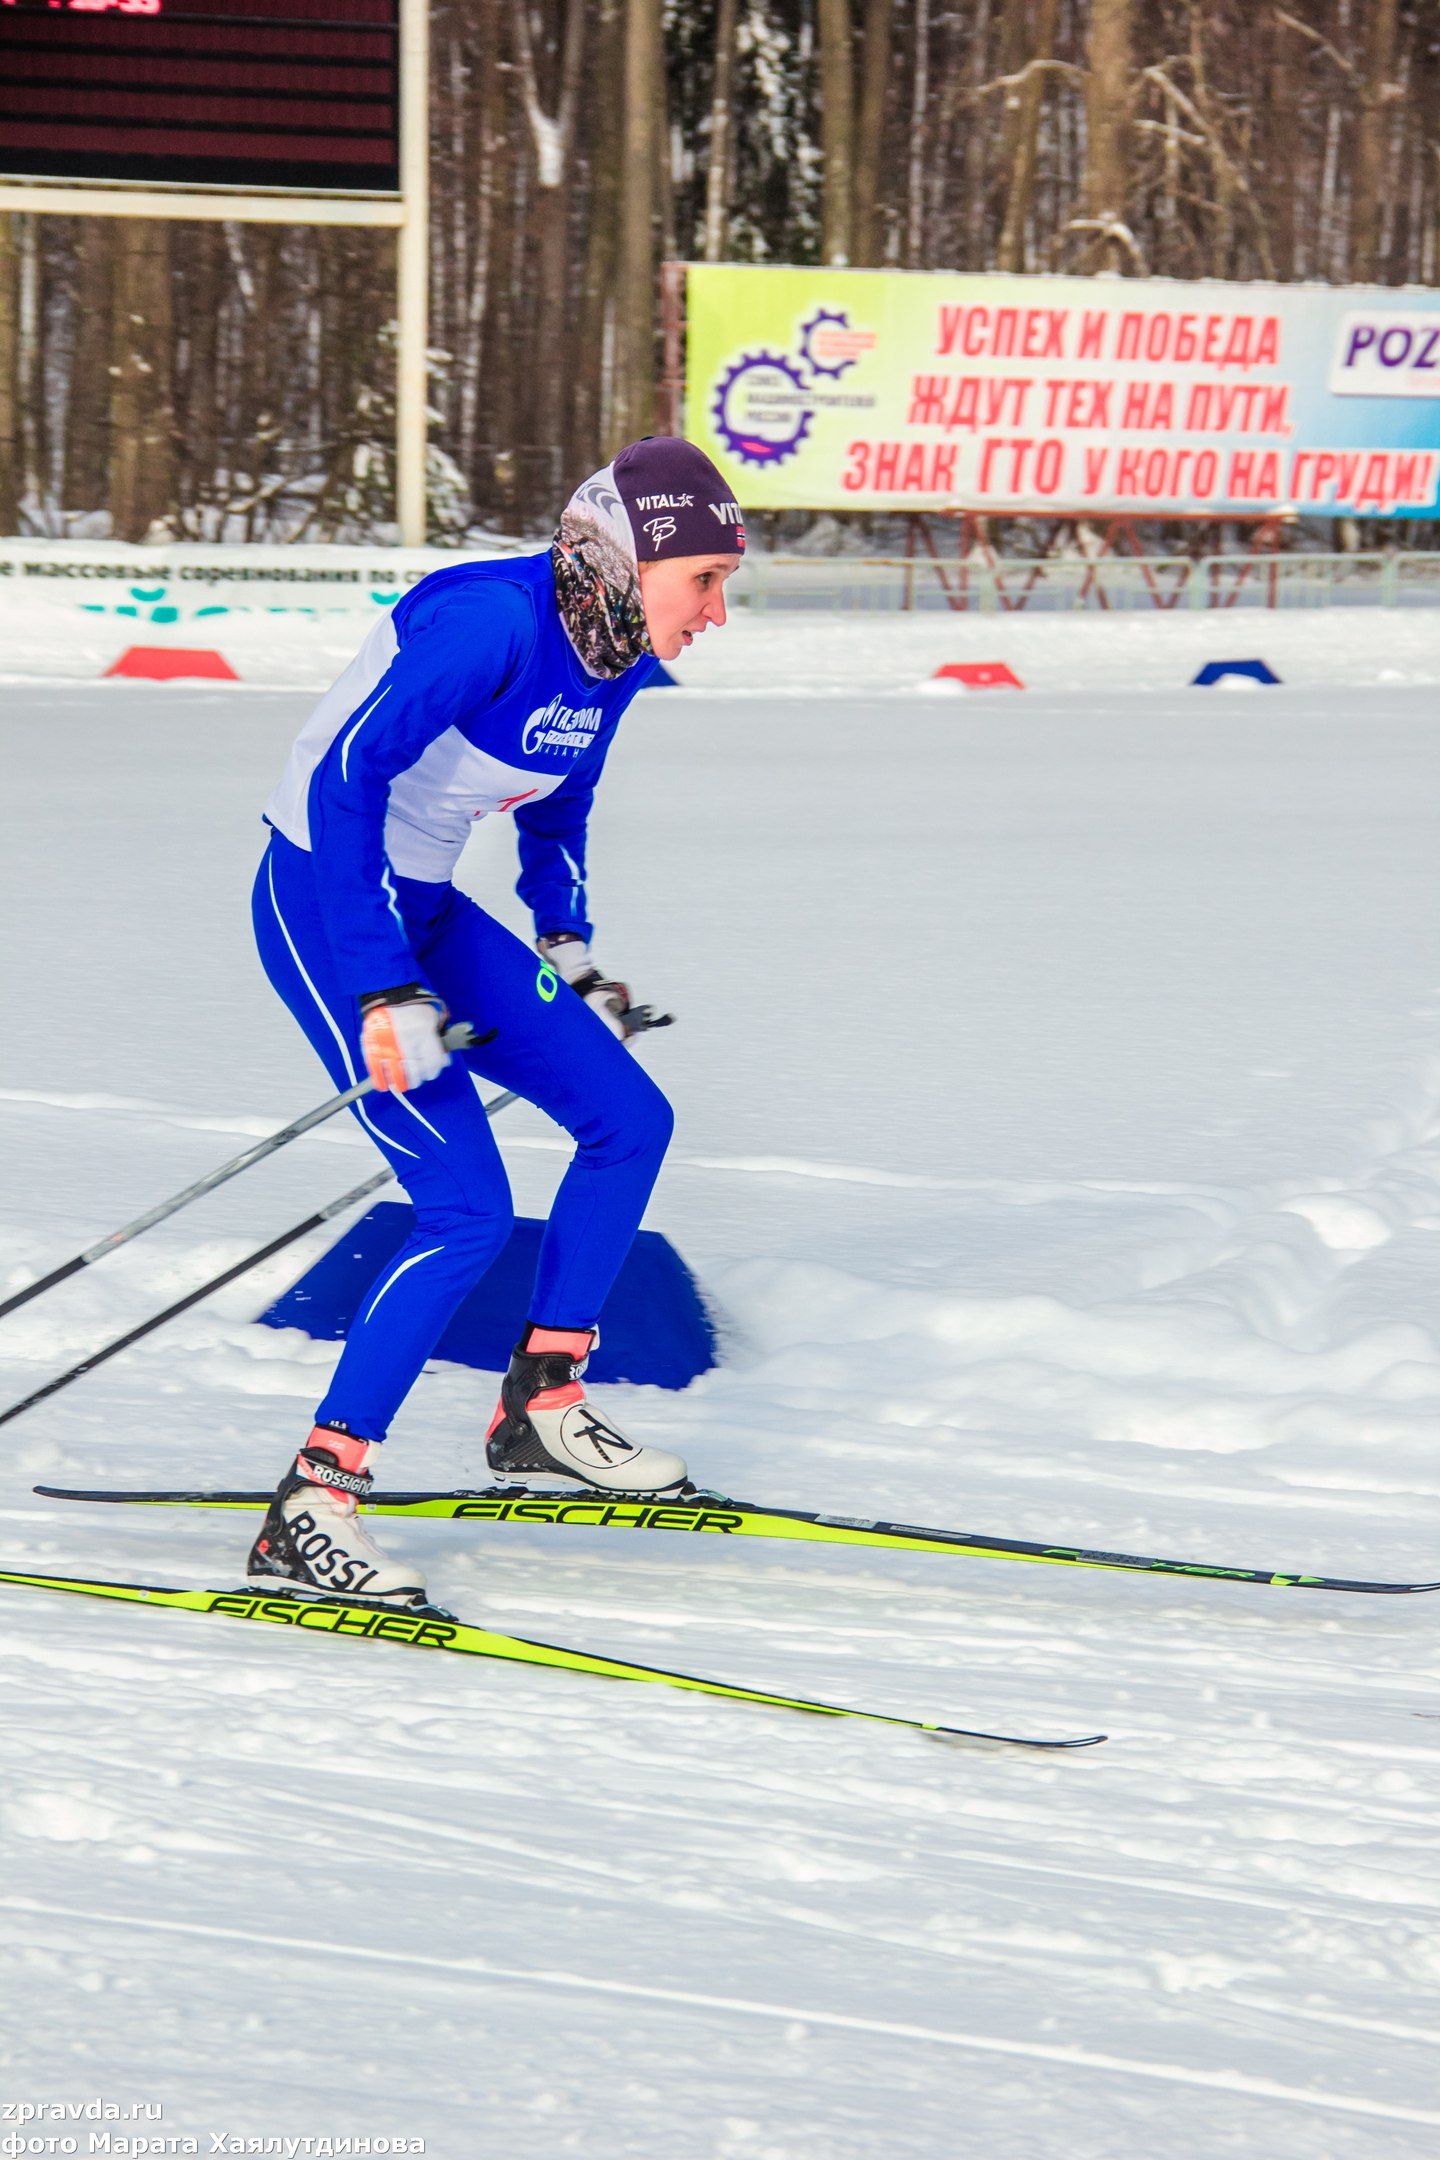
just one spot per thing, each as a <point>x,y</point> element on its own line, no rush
<point>558,726</point>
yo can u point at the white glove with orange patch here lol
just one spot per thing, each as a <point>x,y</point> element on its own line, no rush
<point>400,1037</point>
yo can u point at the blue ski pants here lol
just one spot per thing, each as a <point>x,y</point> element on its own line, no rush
<point>549,1047</point>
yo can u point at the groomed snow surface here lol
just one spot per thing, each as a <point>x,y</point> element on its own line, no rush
<point>1058,1081</point>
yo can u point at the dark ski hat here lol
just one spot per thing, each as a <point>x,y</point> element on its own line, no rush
<point>676,500</point>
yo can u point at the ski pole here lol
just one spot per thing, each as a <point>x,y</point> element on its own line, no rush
<point>241,1267</point>
<point>459,1037</point>
<point>637,1020</point>
<point>218,1282</point>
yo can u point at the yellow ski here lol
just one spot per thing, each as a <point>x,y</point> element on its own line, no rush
<point>710,1514</point>
<point>429,1628</point>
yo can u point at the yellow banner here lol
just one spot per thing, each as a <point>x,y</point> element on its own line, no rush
<point>893,390</point>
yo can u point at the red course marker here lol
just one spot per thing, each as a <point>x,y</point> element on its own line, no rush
<point>980,675</point>
<point>162,663</point>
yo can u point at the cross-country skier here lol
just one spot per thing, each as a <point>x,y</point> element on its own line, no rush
<point>493,686</point>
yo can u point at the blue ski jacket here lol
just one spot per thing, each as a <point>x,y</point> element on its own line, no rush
<point>469,698</point>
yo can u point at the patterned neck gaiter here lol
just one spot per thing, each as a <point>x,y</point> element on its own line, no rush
<point>597,585</point>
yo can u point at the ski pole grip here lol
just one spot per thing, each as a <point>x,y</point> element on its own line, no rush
<point>461,1036</point>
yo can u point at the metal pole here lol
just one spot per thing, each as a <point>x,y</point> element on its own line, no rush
<point>228,1275</point>
<point>459,1037</point>
<point>258,206</point>
<point>216,1282</point>
<point>412,272</point>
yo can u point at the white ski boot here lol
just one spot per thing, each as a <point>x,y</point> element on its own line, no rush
<point>311,1537</point>
<point>544,1427</point>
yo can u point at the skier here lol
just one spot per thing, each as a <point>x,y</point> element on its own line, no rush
<point>493,686</point>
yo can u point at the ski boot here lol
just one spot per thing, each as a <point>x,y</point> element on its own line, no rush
<point>311,1538</point>
<point>544,1427</point>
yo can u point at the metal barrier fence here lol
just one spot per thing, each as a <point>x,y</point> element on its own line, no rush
<point>884,584</point>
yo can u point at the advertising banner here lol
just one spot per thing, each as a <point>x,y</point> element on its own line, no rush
<point>826,389</point>
<point>188,583</point>
<point>258,612</point>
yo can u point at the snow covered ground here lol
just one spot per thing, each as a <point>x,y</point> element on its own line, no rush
<point>1059,1142</point>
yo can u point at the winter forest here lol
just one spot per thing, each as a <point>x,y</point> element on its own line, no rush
<point>186,379</point>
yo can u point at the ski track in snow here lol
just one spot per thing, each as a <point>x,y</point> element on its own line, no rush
<point>1118,1228</point>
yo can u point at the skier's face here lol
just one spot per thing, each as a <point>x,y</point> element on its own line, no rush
<point>683,595</point>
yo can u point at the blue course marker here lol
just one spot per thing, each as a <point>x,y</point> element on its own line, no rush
<point>655,1327</point>
<point>1251,670</point>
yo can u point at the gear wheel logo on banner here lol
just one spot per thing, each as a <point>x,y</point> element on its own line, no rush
<point>762,409</point>
<point>765,402</point>
<point>828,345</point>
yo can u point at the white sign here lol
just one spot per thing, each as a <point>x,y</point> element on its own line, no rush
<point>1387,355</point>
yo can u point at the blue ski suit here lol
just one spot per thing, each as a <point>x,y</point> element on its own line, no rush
<point>468,699</point>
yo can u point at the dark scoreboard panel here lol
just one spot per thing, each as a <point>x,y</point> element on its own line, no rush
<point>238,93</point>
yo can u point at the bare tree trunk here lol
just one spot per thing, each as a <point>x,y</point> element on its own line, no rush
<point>551,137</point>
<point>200,431</point>
<point>1278,147</point>
<point>1423,265</point>
<point>261,374</point>
<point>142,466</point>
<point>1005,127</point>
<point>1222,238</point>
<point>722,120</point>
<point>88,390</point>
<point>31,362</point>
<point>488,133</point>
<point>837,128</point>
<point>1108,92</point>
<point>1327,223</point>
<point>1400,160</point>
<point>502,400</point>
<point>588,417</point>
<point>665,187</point>
<point>1029,98</point>
<point>919,137</point>
<point>9,377</point>
<point>973,208</point>
<point>644,106</point>
<point>246,360</point>
<point>870,130</point>
<point>1371,139</point>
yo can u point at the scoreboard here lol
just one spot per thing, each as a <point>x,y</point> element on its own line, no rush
<point>287,94</point>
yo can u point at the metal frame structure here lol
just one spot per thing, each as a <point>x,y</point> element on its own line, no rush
<point>408,213</point>
<point>1013,579</point>
<point>1225,583</point>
